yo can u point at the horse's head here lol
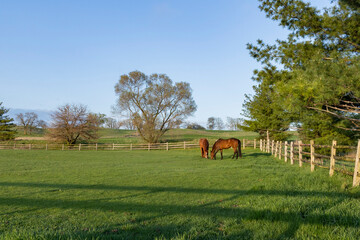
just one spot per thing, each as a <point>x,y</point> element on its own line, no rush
<point>206,154</point>
<point>212,153</point>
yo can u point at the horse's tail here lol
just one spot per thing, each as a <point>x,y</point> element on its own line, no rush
<point>239,148</point>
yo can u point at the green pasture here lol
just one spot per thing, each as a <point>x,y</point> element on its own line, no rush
<point>121,136</point>
<point>170,195</point>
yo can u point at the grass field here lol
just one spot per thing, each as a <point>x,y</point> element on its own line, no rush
<point>170,195</point>
<point>120,136</point>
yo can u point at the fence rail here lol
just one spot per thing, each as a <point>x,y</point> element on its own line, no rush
<point>337,160</point>
<point>344,159</point>
<point>96,146</point>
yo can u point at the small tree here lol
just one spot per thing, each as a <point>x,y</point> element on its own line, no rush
<point>7,127</point>
<point>28,121</point>
<point>219,124</point>
<point>127,124</point>
<point>41,124</point>
<point>153,103</point>
<point>72,123</point>
<point>112,123</point>
<point>232,123</point>
<point>100,118</point>
<point>211,123</point>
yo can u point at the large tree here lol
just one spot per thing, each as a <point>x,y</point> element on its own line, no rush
<point>7,126</point>
<point>319,65</point>
<point>71,123</point>
<point>153,103</point>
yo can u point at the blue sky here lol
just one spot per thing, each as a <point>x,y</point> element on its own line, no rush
<point>58,52</point>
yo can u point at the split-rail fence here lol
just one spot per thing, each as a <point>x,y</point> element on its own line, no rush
<point>336,158</point>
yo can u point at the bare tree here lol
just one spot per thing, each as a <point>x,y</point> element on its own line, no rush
<point>219,124</point>
<point>153,103</point>
<point>232,123</point>
<point>41,124</point>
<point>28,121</point>
<point>127,124</point>
<point>112,123</point>
<point>72,123</point>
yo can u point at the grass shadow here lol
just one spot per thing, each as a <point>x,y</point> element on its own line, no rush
<point>308,214</point>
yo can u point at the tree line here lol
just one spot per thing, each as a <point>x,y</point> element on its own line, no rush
<point>309,81</point>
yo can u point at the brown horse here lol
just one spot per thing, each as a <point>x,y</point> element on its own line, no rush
<point>204,147</point>
<point>221,144</point>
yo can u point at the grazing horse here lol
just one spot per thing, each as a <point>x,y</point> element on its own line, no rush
<point>204,147</point>
<point>221,144</point>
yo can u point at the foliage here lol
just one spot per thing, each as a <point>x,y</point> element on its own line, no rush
<point>211,123</point>
<point>72,123</point>
<point>100,118</point>
<point>153,103</point>
<point>7,127</point>
<point>264,112</point>
<point>195,126</point>
<point>320,66</point>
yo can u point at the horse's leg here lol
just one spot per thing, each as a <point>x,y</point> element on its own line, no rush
<point>202,152</point>
<point>221,154</point>
<point>215,154</point>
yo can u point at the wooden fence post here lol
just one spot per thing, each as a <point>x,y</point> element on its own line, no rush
<point>184,145</point>
<point>356,178</point>
<point>312,156</point>
<point>272,147</point>
<point>30,146</point>
<point>79,146</point>
<point>254,143</point>
<point>131,147</point>
<point>300,153</point>
<point>276,148</point>
<point>96,146</point>
<point>148,146</point>
<point>167,146</point>
<point>285,151</point>
<point>292,153</point>
<point>46,148</point>
<point>62,147</point>
<point>280,147</point>
<point>113,146</point>
<point>261,144</point>
<point>332,158</point>
<point>268,146</point>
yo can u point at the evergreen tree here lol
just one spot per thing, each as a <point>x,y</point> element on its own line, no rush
<point>319,83</point>
<point>263,112</point>
<point>7,127</point>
